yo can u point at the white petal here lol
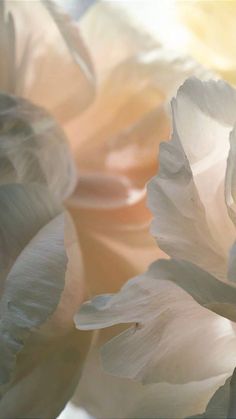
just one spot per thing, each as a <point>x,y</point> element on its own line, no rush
<point>180,224</point>
<point>230,179</point>
<point>204,116</point>
<point>188,196</point>
<point>123,398</point>
<point>208,291</point>
<point>103,18</point>
<point>171,330</point>
<point>218,405</point>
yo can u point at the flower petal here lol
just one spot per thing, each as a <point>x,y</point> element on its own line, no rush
<point>33,148</point>
<point>129,114</point>
<point>208,291</point>
<point>24,210</point>
<point>75,289</point>
<point>27,299</point>
<point>57,70</point>
<point>116,234</point>
<point>202,102</point>
<point>230,178</point>
<point>161,312</point>
<point>103,18</point>
<point>189,209</point>
<point>7,51</point>
<point>218,405</point>
<point>50,368</point>
<point>124,398</point>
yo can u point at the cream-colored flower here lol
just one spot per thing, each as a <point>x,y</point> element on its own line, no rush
<point>114,143</point>
<point>183,309</point>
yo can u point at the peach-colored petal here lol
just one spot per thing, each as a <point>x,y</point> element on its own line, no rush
<point>125,99</point>
<point>112,222</point>
<point>53,68</point>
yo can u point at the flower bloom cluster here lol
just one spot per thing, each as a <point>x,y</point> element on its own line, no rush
<point>110,106</point>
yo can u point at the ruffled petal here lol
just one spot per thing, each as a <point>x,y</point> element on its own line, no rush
<point>33,148</point>
<point>208,291</point>
<point>187,198</point>
<point>124,398</point>
<point>202,343</point>
<point>202,103</point>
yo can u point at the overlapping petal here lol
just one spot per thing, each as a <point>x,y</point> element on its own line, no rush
<point>41,274</point>
<point>162,311</point>
<point>125,398</point>
<point>51,68</point>
<point>187,198</point>
<point>29,271</point>
<point>33,148</point>
<point>182,315</point>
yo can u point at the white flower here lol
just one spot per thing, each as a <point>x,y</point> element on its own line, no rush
<point>183,309</point>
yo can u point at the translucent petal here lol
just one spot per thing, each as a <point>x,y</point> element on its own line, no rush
<point>187,198</point>
<point>124,398</point>
<point>52,68</point>
<point>173,339</point>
